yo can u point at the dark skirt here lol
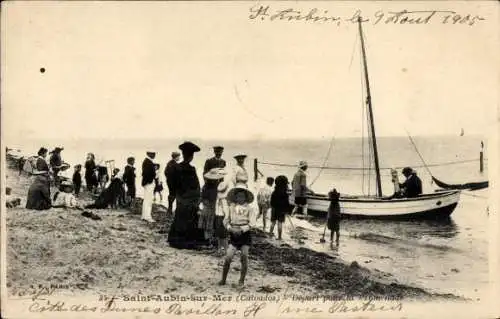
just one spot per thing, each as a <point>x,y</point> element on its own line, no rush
<point>184,232</point>
<point>277,215</point>
<point>220,230</point>
<point>240,240</point>
<point>333,224</point>
<point>301,201</point>
<point>207,216</point>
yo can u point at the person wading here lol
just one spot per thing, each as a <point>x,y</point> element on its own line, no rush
<point>169,177</point>
<point>184,232</point>
<point>148,177</point>
<point>300,189</point>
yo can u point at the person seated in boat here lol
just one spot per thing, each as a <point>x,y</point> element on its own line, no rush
<point>412,186</point>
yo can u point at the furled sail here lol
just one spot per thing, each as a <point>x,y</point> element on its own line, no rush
<point>469,186</point>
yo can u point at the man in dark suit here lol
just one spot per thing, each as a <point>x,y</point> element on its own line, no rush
<point>129,178</point>
<point>148,177</point>
<point>209,192</point>
<point>169,177</point>
<point>216,161</point>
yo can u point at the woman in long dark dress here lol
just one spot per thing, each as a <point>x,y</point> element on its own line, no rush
<point>90,167</point>
<point>39,193</point>
<point>184,232</point>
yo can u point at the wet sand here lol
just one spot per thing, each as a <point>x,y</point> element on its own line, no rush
<point>123,254</point>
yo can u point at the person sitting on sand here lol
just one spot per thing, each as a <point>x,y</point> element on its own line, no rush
<point>39,192</point>
<point>113,195</point>
<point>77,179</point>
<point>280,204</point>
<point>333,217</point>
<point>238,223</point>
<point>264,200</point>
<point>65,197</point>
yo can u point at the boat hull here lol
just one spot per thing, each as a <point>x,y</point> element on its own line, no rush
<point>435,206</point>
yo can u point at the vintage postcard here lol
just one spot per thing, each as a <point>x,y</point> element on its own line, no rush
<point>281,159</point>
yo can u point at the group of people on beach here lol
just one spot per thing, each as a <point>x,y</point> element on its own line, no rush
<point>220,214</point>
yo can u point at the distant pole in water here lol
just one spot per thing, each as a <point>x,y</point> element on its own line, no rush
<point>255,170</point>
<point>481,159</point>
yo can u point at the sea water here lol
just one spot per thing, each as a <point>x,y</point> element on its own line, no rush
<point>449,257</point>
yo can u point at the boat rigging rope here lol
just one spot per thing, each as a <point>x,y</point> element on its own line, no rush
<point>324,162</point>
<point>367,169</point>
<point>419,155</point>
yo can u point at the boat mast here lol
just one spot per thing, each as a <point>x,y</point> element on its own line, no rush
<point>370,112</point>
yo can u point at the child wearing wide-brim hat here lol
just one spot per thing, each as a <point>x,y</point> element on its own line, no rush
<point>238,221</point>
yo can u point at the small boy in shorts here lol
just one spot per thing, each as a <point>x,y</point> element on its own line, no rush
<point>280,204</point>
<point>238,222</point>
<point>264,200</point>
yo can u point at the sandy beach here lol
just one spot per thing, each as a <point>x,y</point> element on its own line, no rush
<point>121,254</point>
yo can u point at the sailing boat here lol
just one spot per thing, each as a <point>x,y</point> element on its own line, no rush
<point>434,206</point>
<point>462,132</point>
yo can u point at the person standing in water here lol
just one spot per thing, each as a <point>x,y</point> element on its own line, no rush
<point>280,204</point>
<point>300,189</point>
<point>333,218</point>
<point>264,200</point>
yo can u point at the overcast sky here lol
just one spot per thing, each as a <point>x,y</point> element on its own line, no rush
<point>174,70</point>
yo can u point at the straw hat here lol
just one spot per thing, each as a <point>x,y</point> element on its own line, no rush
<point>66,185</point>
<point>240,156</point>
<point>215,174</point>
<point>222,187</point>
<point>240,188</point>
<point>302,164</point>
